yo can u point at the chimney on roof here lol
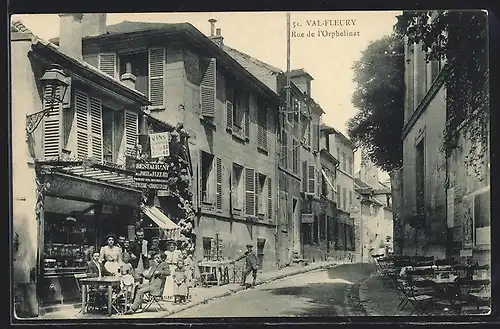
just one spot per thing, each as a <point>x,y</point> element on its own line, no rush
<point>218,38</point>
<point>128,78</point>
<point>70,35</point>
<point>93,24</point>
<point>212,22</point>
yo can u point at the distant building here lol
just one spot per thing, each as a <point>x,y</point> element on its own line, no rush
<point>375,231</point>
<point>343,231</point>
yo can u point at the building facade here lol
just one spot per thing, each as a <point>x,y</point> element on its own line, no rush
<point>338,145</point>
<point>298,151</point>
<point>231,118</point>
<point>375,231</point>
<point>446,200</point>
<point>66,194</point>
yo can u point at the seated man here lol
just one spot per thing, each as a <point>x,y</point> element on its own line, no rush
<point>95,269</point>
<point>156,275</point>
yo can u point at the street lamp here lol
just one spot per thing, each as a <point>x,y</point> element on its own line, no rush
<point>58,81</point>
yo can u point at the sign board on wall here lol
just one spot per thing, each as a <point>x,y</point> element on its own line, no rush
<point>152,176</point>
<point>159,145</point>
<point>307,219</point>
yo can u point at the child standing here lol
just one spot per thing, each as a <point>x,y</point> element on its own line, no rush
<point>189,266</point>
<point>180,283</point>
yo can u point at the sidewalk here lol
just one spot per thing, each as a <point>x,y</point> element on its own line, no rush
<point>378,297</point>
<point>199,295</point>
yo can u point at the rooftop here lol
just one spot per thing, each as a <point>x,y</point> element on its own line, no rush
<point>40,44</point>
<point>299,72</point>
<point>245,59</point>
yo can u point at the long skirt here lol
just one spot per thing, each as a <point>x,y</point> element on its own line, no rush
<point>168,290</point>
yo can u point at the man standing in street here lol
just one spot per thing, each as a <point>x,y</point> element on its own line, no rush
<point>251,264</point>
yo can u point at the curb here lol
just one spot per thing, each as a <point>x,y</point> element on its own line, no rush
<point>258,283</point>
<point>365,302</point>
<point>230,291</point>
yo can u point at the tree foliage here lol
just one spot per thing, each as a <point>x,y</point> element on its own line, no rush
<point>459,37</point>
<point>379,98</point>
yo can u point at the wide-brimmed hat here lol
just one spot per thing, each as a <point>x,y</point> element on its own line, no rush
<point>170,241</point>
<point>249,245</point>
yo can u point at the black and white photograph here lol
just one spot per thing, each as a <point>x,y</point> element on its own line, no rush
<point>276,164</point>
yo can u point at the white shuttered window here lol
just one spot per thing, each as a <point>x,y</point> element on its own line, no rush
<point>208,88</point>
<point>107,64</point>
<point>88,126</point>
<point>52,127</point>
<point>156,68</point>
<point>131,130</point>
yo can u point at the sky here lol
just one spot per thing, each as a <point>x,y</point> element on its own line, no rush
<point>325,44</point>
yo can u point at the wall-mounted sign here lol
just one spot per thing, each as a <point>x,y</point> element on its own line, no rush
<point>307,219</point>
<point>153,176</point>
<point>159,145</point>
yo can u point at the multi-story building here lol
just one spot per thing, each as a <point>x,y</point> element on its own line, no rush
<point>375,229</point>
<point>65,195</point>
<point>230,115</point>
<point>342,148</point>
<point>322,245</point>
<point>296,142</point>
<point>446,210</point>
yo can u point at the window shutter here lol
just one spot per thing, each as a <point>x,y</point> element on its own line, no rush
<point>82,124</point>
<point>309,138</point>
<point>207,90</point>
<point>229,107</point>
<point>249,191</point>
<point>315,136</point>
<point>262,125</point>
<point>257,193</point>
<point>269,198</point>
<point>156,76</point>
<point>311,180</point>
<point>219,184</point>
<point>295,156</point>
<point>200,177</point>
<point>131,130</point>
<point>96,129</point>
<point>338,196</point>
<point>107,63</point>
<point>246,113</point>
<point>52,126</point>
<point>304,176</point>
<point>318,180</point>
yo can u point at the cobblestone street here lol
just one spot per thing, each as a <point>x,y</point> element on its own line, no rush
<point>317,293</point>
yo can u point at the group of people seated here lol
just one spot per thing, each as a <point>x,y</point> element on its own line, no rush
<point>138,261</point>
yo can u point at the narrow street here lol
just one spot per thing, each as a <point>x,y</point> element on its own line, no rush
<point>317,293</point>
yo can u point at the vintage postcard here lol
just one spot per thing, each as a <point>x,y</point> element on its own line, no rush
<point>190,165</point>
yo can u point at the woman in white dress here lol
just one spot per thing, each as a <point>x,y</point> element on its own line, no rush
<point>173,256</point>
<point>111,256</point>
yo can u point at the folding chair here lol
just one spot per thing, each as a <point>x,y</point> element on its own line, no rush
<point>477,296</point>
<point>156,297</point>
<point>418,298</point>
<point>91,293</point>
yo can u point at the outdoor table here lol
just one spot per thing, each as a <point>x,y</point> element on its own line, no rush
<point>219,269</point>
<point>108,281</point>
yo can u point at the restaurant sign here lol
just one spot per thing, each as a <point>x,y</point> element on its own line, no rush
<point>159,145</point>
<point>153,176</point>
<point>307,219</point>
